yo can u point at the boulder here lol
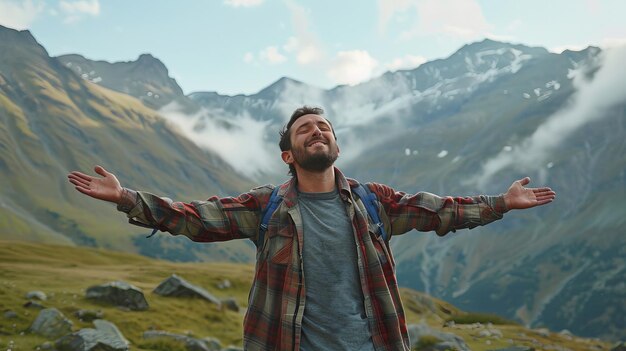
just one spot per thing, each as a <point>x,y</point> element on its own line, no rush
<point>120,294</point>
<point>10,314</point>
<point>51,323</point>
<point>224,284</point>
<point>36,295</point>
<point>191,344</point>
<point>447,340</point>
<point>230,304</point>
<point>34,304</point>
<point>175,286</point>
<point>105,337</point>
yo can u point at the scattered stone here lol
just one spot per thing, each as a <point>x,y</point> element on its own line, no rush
<point>34,304</point>
<point>88,315</point>
<point>448,340</point>
<point>620,346</point>
<point>484,334</point>
<point>10,314</point>
<point>120,294</point>
<point>46,345</point>
<point>542,332</point>
<point>106,337</point>
<point>224,284</point>
<point>51,323</point>
<point>191,344</point>
<point>36,294</point>
<point>176,286</point>
<point>450,324</point>
<point>230,304</point>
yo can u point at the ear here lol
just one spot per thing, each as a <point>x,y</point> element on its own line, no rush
<point>287,157</point>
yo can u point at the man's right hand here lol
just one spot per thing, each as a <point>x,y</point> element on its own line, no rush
<point>105,188</point>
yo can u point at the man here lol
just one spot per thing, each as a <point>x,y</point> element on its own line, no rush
<point>324,279</point>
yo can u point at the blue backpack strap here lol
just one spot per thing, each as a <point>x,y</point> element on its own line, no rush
<point>272,205</point>
<point>370,201</point>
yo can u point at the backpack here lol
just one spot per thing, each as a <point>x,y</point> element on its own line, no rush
<point>364,193</point>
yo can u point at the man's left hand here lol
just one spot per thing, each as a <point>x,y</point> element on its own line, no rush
<point>519,197</point>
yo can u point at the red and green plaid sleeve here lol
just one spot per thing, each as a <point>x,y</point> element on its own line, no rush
<point>216,219</point>
<point>429,212</point>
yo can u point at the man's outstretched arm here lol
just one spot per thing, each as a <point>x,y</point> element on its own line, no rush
<point>425,211</point>
<point>216,219</point>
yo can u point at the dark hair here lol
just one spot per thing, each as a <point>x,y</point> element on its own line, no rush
<point>285,133</point>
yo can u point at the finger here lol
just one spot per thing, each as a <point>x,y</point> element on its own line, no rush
<point>79,182</point>
<point>101,171</point>
<point>543,202</point>
<point>524,181</point>
<point>80,175</point>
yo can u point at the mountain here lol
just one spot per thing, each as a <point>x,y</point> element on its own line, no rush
<point>471,123</point>
<point>54,121</point>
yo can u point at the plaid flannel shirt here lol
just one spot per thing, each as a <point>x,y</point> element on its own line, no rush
<point>277,297</point>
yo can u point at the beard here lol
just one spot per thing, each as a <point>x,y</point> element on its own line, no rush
<point>317,161</point>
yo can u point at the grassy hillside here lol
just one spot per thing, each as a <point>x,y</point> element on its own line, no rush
<point>64,273</point>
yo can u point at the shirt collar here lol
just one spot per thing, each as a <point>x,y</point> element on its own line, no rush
<point>289,192</point>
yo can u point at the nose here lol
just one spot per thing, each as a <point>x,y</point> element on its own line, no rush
<point>316,131</point>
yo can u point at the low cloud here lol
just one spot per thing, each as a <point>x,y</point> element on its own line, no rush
<point>239,140</point>
<point>19,14</point>
<point>591,102</point>
<point>243,3</point>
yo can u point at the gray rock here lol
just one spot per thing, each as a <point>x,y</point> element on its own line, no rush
<point>10,314</point>
<point>105,337</point>
<point>448,340</point>
<point>542,331</point>
<point>47,346</point>
<point>88,315</point>
<point>620,346</point>
<point>51,323</point>
<point>224,284</point>
<point>120,294</point>
<point>176,286</point>
<point>191,344</point>
<point>36,294</point>
<point>34,304</point>
<point>230,304</point>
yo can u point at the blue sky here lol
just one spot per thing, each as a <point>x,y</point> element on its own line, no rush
<point>241,46</point>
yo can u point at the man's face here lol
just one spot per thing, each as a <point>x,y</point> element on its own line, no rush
<point>313,144</point>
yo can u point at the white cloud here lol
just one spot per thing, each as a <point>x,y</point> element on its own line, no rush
<point>305,43</point>
<point>75,10</point>
<point>248,57</point>
<point>613,42</point>
<point>243,3</point>
<point>405,62</point>
<point>19,15</point>
<point>352,67</point>
<point>387,9</point>
<point>590,102</point>
<point>572,47</point>
<point>230,136</point>
<point>271,55</point>
<point>455,18</point>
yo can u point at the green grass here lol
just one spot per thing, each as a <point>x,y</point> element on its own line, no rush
<point>64,273</point>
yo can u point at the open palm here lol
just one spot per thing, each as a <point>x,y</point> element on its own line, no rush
<point>106,188</point>
<point>519,197</point>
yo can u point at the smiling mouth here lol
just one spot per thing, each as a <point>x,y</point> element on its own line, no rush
<point>316,142</point>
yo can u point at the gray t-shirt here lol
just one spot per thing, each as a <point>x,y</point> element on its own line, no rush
<point>334,314</point>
